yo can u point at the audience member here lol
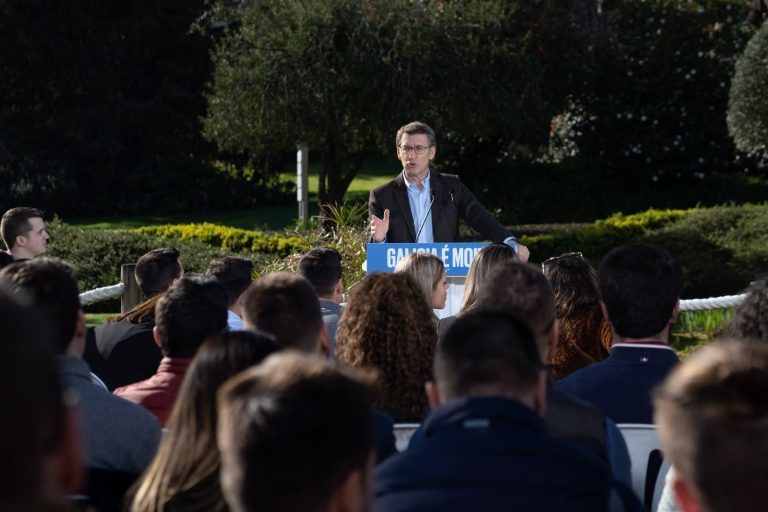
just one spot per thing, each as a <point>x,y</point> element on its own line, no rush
<point>185,473</point>
<point>640,289</point>
<point>193,309</point>
<point>485,445</point>
<point>119,435</point>
<point>123,350</point>
<point>39,438</point>
<point>484,261</point>
<point>286,306</point>
<point>234,273</point>
<point>585,336</point>
<point>711,413</point>
<point>23,231</point>
<point>751,318</point>
<point>429,273</point>
<point>295,434</point>
<point>322,268</point>
<point>388,326</point>
<point>521,289</point>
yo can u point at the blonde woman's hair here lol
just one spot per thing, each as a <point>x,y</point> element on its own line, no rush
<point>486,260</point>
<point>426,270</point>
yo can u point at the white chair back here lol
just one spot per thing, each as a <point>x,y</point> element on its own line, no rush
<point>649,467</point>
<point>403,433</point>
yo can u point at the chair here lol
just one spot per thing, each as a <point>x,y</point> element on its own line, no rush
<point>403,433</point>
<point>649,467</point>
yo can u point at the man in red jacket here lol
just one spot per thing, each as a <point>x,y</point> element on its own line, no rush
<point>192,310</point>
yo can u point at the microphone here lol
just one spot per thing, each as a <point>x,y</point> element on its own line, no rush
<point>426,216</point>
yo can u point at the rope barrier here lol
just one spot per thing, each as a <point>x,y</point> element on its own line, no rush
<point>103,293</point>
<point>726,301</point>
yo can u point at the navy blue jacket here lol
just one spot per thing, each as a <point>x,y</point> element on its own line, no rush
<point>490,453</point>
<point>621,385</point>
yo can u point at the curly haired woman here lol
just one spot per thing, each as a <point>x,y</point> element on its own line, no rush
<point>388,326</point>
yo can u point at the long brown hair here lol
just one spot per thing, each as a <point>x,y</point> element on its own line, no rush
<point>140,313</point>
<point>388,326</point>
<point>184,474</point>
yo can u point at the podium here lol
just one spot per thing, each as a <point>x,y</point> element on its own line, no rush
<point>457,257</point>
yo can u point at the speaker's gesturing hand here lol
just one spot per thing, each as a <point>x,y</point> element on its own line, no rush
<point>379,227</point>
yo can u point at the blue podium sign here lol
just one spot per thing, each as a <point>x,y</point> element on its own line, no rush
<point>456,256</point>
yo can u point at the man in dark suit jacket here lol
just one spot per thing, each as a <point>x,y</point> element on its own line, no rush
<point>421,205</point>
<point>640,288</point>
<point>485,445</point>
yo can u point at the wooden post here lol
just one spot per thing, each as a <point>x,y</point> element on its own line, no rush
<point>132,293</point>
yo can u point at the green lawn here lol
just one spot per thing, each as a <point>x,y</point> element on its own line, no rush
<point>94,319</point>
<point>375,173</point>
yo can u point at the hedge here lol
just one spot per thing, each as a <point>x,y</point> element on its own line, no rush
<point>233,239</point>
<point>98,253</point>
<point>721,249</point>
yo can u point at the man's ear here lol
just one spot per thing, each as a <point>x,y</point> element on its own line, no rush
<point>339,289</point>
<point>553,336</point>
<point>540,393</point>
<point>21,240</point>
<point>355,493</point>
<point>685,498</point>
<point>156,337</point>
<point>675,312</point>
<point>433,395</point>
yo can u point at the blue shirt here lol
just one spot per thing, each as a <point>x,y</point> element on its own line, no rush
<point>420,200</point>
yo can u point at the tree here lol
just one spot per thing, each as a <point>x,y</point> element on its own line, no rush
<point>747,104</point>
<point>100,105</point>
<point>342,75</point>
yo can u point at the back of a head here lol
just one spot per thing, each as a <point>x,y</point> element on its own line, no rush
<point>520,289</point>
<point>291,431</point>
<point>234,274</point>
<point>15,222</point>
<point>322,268</point>
<point>712,416</point>
<point>640,285</point>
<point>31,396</point>
<point>156,270</point>
<point>486,260</point>
<point>574,282</point>
<point>426,270</point>
<point>388,325</point>
<point>286,306</point>
<point>190,441</point>
<point>48,286</point>
<point>193,309</point>
<point>751,318</point>
<point>487,353</point>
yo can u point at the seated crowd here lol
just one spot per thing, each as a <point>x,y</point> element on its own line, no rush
<point>221,393</point>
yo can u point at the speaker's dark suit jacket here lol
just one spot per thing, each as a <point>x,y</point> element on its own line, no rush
<point>451,200</point>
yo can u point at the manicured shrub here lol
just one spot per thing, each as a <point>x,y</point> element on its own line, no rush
<point>97,254</point>
<point>233,239</point>
<point>721,249</point>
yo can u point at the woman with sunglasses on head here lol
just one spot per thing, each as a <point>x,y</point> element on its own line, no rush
<point>585,335</point>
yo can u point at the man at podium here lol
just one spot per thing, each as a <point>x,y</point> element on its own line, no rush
<point>424,206</point>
